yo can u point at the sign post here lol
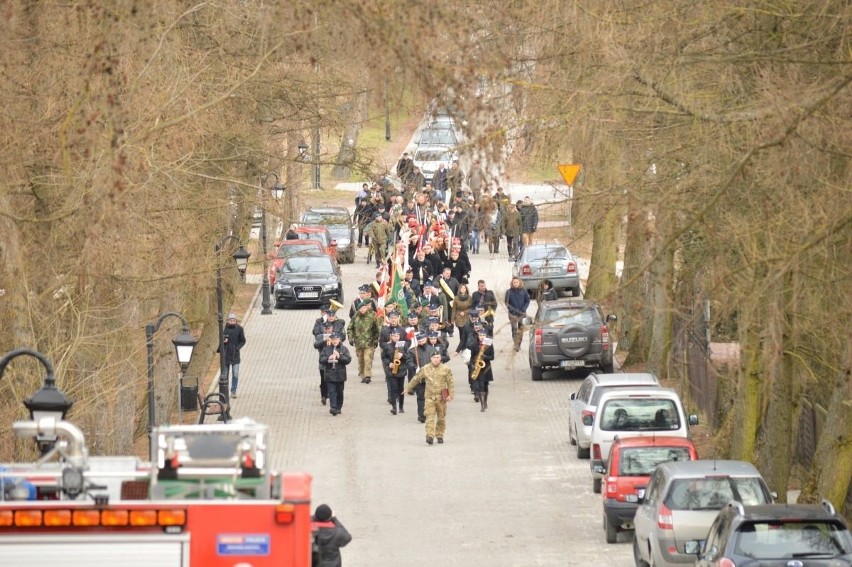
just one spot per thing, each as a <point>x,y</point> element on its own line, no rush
<point>569,172</point>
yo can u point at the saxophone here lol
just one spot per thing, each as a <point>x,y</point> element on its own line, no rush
<point>478,363</point>
<point>396,361</point>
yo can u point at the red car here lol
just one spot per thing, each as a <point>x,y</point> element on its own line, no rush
<point>289,248</point>
<point>629,467</point>
<point>319,233</point>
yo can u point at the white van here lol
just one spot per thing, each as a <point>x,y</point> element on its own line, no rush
<point>637,412</point>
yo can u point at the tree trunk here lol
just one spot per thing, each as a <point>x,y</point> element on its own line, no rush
<point>661,298</point>
<point>747,406</point>
<point>634,282</point>
<point>602,281</point>
<point>356,113</point>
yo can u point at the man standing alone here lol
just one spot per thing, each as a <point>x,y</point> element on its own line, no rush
<point>233,340</point>
<point>440,389</point>
<point>529,221</point>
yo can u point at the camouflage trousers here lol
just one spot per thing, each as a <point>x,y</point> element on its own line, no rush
<point>436,417</point>
<point>365,361</point>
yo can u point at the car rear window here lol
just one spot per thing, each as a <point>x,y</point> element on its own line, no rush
<point>569,316</point>
<point>321,236</point>
<point>784,539</point>
<point>640,414</point>
<point>307,264</point>
<point>433,155</point>
<point>290,249</point>
<point>641,461</point>
<point>601,390</point>
<point>540,253</point>
<point>714,493</point>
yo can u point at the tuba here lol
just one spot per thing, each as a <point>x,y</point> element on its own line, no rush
<point>478,363</point>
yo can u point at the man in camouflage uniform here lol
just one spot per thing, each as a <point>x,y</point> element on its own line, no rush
<point>437,377</point>
<point>380,232</point>
<point>363,331</point>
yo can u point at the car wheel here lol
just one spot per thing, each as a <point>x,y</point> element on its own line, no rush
<point>583,453</point>
<point>608,368</point>
<point>575,292</point>
<point>596,485</point>
<point>637,558</point>
<point>536,373</point>
<point>571,435</point>
<point>611,531</point>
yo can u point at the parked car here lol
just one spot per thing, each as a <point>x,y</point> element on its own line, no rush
<point>569,334</point>
<point>581,409</point>
<point>428,158</point>
<point>629,466</point>
<point>320,233</point>
<point>289,248</point>
<point>308,280</point>
<point>339,223</point>
<point>681,502</point>
<point>775,535</point>
<point>636,412</point>
<point>554,262</point>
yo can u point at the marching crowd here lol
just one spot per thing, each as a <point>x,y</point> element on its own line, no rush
<point>436,302</point>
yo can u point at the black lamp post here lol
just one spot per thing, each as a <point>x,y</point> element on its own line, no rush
<point>317,159</point>
<point>47,401</point>
<point>184,345</point>
<point>241,257</point>
<point>277,190</point>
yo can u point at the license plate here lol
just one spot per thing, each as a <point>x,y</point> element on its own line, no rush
<point>571,363</point>
<point>309,295</point>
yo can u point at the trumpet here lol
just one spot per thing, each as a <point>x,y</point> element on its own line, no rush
<point>479,363</point>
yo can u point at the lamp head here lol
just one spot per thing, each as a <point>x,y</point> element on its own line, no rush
<point>184,345</point>
<point>241,256</point>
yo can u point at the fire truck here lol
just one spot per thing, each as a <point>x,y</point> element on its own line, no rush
<point>206,498</point>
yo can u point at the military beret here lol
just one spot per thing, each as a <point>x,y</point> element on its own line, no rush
<point>365,287</point>
<point>393,313</point>
<point>433,335</point>
<point>434,352</point>
<point>482,331</point>
<point>394,330</point>
<point>335,336</point>
<point>434,320</point>
<point>474,312</point>
<point>412,315</point>
<point>421,336</point>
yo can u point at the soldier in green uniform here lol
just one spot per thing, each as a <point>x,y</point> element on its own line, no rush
<point>437,377</point>
<point>363,332</point>
<point>380,232</point>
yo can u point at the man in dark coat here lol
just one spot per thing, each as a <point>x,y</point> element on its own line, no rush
<point>484,299</point>
<point>335,357</point>
<point>329,537</point>
<point>233,340</point>
<point>395,352</point>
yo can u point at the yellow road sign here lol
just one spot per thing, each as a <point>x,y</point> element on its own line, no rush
<point>569,171</point>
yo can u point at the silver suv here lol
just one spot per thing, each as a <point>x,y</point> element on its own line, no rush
<point>681,502</point>
<point>581,410</point>
<point>569,334</point>
<point>339,223</point>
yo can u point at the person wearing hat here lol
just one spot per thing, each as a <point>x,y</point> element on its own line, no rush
<point>391,320</point>
<point>321,340</point>
<point>419,359</point>
<point>329,317</point>
<point>502,199</point>
<point>233,340</point>
<point>434,340</point>
<point>364,294</point>
<point>479,368</point>
<point>440,389</point>
<point>329,536</point>
<point>363,332</point>
<point>334,357</point>
<point>395,363</point>
<point>380,232</point>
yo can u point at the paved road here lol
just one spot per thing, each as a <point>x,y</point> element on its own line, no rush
<point>504,490</point>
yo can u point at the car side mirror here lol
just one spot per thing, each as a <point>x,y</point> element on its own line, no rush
<point>693,419</point>
<point>588,420</point>
<point>599,469</point>
<point>692,547</point>
<point>612,317</point>
<point>573,397</point>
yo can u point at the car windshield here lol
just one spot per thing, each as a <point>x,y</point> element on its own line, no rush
<point>296,264</point>
<point>788,539</point>
<point>639,414</point>
<point>433,155</point>
<point>561,316</point>
<point>545,253</point>
<point>290,249</point>
<point>641,461</point>
<point>324,218</point>
<point>321,236</point>
<point>714,492</point>
<point>438,137</point>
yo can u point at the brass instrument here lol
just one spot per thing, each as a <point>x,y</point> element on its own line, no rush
<point>397,358</point>
<point>488,313</point>
<point>336,304</point>
<point>479,363</point>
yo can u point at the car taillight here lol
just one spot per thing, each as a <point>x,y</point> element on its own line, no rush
<point>596,452</point>
<point>538,339</point>
<point>611,487</point>
<point>664,518</point>
<point>587,417</point>
<point>604,337</point>
<point>571,267</point>
<point>526,270</point>
<point>725,562</point>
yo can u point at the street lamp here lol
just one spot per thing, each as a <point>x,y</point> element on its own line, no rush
<point>277,190</point>
<point>47,402</point>
<point>184,345</point>
<point>241,257</point>
<point>317,159</point>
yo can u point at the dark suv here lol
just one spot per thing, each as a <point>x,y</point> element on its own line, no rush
<point>569,334</point>
<point>775,535</point>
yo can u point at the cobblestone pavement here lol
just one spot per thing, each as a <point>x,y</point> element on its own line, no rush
<point>504,490</point>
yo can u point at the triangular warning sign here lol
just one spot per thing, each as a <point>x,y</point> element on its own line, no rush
<point>569,171</point>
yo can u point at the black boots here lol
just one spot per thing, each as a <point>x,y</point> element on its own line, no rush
<point>483,401</point>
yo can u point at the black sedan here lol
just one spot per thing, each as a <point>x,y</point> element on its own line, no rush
<point>308,280</point>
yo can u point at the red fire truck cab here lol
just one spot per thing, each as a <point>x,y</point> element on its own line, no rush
<point>206,498</point>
